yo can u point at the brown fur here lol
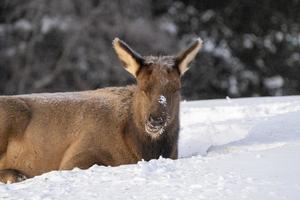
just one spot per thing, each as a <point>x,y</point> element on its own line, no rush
<point>59,131</point>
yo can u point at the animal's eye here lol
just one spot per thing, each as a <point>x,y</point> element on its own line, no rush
<point>177,90</point>
<point>176,87</point>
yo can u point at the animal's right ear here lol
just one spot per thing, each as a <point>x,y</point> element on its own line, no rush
<point>131,60</point>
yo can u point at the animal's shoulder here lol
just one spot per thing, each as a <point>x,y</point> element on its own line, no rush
<point>111,95</point>
<point>116,101</point>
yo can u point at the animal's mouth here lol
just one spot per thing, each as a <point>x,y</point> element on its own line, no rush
<point>154,130</point>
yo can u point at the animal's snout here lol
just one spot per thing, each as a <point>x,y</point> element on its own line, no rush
<point>156,121</point>
<point>155,125</point>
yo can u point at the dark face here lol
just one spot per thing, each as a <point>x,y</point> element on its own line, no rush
<point>159,84</point>
<point>158,80</point>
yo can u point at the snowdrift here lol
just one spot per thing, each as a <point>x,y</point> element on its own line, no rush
<point>229,149</point>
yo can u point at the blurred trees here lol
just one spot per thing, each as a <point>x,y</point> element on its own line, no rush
<point>252,48</point>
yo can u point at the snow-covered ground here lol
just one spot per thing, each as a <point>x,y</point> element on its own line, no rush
<point>229,149</point>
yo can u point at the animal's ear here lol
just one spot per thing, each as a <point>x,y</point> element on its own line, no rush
<point>186,56</point>
<point>131,60</point>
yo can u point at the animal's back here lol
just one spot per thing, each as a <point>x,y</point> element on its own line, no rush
<point>92,120</point>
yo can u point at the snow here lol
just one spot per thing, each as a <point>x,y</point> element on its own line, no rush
<point>274,82</point>
<point>229,149</point>
<point>220,50</point>
<point>207,15</point>
<point>24,25</point>
<point>169,27</point>
<point>49,23</point>
<point>162,100</point>
<point>248,41</point>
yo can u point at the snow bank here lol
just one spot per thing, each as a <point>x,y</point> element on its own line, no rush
<point>216,122</point>
<point>229,149</point>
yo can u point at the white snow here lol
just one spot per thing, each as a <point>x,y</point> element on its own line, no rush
<point>220,50</point>
<point>229,149</point>
<point>49,23</point>
<point>24,25</point>
<point>162,100</point>
<point>274,82</point>
<point>169,26</point>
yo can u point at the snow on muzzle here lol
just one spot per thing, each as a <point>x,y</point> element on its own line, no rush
<point>159,119</point>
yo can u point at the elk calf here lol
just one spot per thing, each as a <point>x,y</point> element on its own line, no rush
<point>110,126</point>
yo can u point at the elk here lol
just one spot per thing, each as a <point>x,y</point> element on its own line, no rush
<point>110,126</point>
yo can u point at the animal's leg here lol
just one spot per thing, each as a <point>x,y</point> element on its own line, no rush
<point>81,155</point>
<point>81,160</point>
<point>174,154</point>
<point>78,155</point>
<point>14,118</point>
<point>11,176</point>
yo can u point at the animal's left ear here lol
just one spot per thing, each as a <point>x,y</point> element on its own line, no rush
<point>186,56</point>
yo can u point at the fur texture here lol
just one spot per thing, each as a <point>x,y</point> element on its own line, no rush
<point>60,131</point>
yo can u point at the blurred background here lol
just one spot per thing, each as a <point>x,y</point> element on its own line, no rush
<point>251,47</point>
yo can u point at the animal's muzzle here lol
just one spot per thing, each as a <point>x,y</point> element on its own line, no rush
<point>155,125</point>
<point>156,121</point>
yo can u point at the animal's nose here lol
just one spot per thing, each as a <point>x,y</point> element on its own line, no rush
<point>156,121</point>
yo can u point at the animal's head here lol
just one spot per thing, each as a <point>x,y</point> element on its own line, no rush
<point>158,80</point>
